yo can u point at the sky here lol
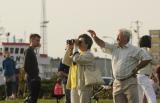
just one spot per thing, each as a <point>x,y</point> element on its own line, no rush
<point>70,18</point>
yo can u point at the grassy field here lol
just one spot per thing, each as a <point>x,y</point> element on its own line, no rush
<point>53,101</point>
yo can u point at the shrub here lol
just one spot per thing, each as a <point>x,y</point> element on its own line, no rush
<point>46,87</point>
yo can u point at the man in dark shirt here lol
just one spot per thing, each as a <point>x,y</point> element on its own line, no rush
<point>32,70</point>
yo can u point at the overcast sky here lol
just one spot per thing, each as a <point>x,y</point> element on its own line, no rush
<point>69,18</point>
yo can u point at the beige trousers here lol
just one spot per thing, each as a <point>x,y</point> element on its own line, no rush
<point>85,94</point>
<point>126,91</point>
<point>81,95</point>
<point>74,96</point>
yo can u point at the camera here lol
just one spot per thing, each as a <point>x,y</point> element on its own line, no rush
<point>71,41</point>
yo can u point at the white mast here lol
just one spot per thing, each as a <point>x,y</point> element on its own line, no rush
<point>44,28</point>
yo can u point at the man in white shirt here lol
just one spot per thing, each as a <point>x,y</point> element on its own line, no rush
<point>126,61</point>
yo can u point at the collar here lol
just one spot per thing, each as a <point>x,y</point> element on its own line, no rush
<point>82,52</point>
<point>125,46</point>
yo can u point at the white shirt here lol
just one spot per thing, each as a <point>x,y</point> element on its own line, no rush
<point>125,59</point>
<point>147,69</point>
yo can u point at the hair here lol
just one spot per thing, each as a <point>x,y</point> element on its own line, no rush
<point>127,33</point>
<point>87,39</point>
<point>145,41</point>
<point>6,54</point>
<point>32,36</point>
<point>59,80</point>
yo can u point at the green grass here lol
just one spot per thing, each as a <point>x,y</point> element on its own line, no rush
<point>49,101</point>
<point>53,101</point>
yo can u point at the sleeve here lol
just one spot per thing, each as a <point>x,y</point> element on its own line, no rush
<point>143,55</point>
<point>108,48</point>
<point>67,59</point>
<point>84,58</point>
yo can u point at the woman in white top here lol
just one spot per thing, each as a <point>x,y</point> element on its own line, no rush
<point>143,76</point>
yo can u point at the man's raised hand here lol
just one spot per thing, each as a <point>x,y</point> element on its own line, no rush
<point>93,34</point>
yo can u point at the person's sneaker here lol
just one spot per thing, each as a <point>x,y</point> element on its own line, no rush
<point>25,101</point>
<point>12,96</point>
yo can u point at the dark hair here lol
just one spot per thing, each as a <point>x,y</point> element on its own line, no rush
<point>145,41</point>
<point>87,39</point>
<point>32,36</point>
<point>59,80</point>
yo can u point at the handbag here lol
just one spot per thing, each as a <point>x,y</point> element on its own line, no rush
<point>93,76</point>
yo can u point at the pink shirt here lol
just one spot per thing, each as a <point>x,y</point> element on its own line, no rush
<point>58,90</point>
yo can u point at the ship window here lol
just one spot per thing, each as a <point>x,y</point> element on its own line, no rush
<point>16,50</point>
<point>22,50</point>
<point>6,49</point>
<point>11,50</point>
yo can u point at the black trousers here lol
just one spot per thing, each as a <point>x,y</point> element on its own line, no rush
<point>58,97</point>
<point>68,97</point>
<point>34,86</point>
<point>8,88</point>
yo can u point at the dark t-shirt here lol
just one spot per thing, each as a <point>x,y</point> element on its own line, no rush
<point>30,63</point>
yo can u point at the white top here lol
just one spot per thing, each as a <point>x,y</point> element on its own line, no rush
<point>147,69</point>
<point>125,59</point>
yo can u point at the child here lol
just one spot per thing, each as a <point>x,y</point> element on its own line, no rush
<point>58,90</point>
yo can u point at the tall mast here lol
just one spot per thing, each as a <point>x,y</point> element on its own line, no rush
<point>44,28</point>
<point>137,29</point>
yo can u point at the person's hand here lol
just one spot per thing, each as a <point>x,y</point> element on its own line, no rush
<point>93,34</point>
<point>70,46</point>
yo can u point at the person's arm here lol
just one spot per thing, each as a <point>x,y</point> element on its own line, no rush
<point>105,46</point>
<point>28,62</point>
<point>3,65</point>
<point>14,64</point>
<point>67,59</point>
<point>142,64</point>
<point>98,41</point>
